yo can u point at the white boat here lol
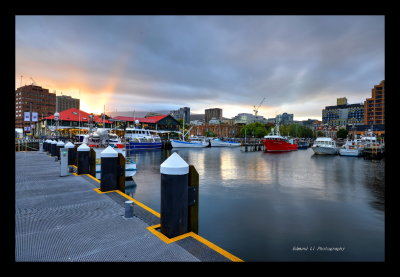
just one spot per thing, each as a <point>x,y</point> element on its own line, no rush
<point>194,142</point>
<point>139,139</point>
<point>352,148</point>
<point>324,146</point>
<point>225,143</point>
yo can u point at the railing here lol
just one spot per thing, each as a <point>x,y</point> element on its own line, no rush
<point>27,145</point>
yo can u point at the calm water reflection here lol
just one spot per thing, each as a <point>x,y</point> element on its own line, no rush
<point>260,206</point>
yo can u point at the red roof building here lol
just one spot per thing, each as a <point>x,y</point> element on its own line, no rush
<point>74,114</point>
<point>158,122</point>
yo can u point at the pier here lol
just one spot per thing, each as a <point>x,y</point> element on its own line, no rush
<point>69,219</point>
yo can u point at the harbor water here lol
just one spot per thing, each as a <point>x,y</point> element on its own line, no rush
<point>291,206</point>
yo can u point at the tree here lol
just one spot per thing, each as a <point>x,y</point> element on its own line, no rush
<point>255,129</point>
<point>342,133</point>
<point>320,134</point>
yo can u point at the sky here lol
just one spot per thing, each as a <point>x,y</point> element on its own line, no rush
<point>300,64</point>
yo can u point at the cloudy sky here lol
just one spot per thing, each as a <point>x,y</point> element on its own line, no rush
<point>300,64</point>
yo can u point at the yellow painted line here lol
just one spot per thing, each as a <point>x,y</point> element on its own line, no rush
<point>164,238</point>
<point>138,203</point>
<point>211,245</point>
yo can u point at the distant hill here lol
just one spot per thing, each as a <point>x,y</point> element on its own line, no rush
<point>196,116</point>
<point>137,113</point>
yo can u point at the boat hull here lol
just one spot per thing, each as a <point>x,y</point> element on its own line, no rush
<point>350,152</point>
<point>143,145</point>
<point>187,144</point>
<point>324,150</point>
<point>278,146</point>
<point>224,144</point>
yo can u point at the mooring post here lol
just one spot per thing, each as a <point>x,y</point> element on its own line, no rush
<point>83,159</point>
<point>92,162</point>
<point>60,145</point>
<point>109,169</point>
<point>128,209</point>
<point>174,196</point>
<point>71,152</point>
<point>193,209</point>
<point>53,150</point>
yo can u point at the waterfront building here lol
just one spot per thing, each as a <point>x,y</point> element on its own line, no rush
<point>220,130</point>
<point>161,122</point>
<point>343,113</point>
<point>182,113</point>
<point>71,122</point>
<point>210,113</point>
<point>32,99</point>
<point>284,119</point>
<point>374,107</point>
<point>65,102</point>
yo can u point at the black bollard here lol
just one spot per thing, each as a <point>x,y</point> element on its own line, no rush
<point>60,145</point>
<point>83,159</point>
<point>174,196</point>
<point>71,152</point>
<point>53,148</point>
<point>109,169</point>
<point>48,143</point>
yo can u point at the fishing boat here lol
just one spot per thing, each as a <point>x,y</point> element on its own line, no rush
<point>302,145</point>
<point>223,143</point>
<point>324,146</point>
<point>352,148</point>
<point>101,138</point>
<point>274,142</point>
<point>193,142</point>
<point>140,139</point>
<point>372,148</point>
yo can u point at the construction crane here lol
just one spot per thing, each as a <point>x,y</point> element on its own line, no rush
<point>34,83</point>
<point>256,108</point>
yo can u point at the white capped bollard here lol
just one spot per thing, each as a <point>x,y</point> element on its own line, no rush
<point>71,152</point>
<point>48,144</point>
<point>53,149</point>
<point>83,159</point>
<point>109,169</point>
<point>174,196</point>
<point>60,145</point>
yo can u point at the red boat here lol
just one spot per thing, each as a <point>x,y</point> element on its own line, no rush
<point>274,142</point>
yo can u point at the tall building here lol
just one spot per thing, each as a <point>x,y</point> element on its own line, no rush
<point>35,99</point>
<point>343,114</point>
<point>374,107</point>
<point>65,102</point>
<point>284,119</point>
<point>215,113</point>
<point>182,113</point>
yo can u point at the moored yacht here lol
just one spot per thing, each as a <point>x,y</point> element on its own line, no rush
<point>351,148</point>
<point>324,146</point>
<point>137,139</point>
<point>216,142</point>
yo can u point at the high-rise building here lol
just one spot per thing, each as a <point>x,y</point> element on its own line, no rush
<point>35,99</point>
<point>284,119</point>
<point>182,113</point>
<point>343,114</point>
<point>374,107</point>
<point>65,102</point>
<point>215,113</point>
